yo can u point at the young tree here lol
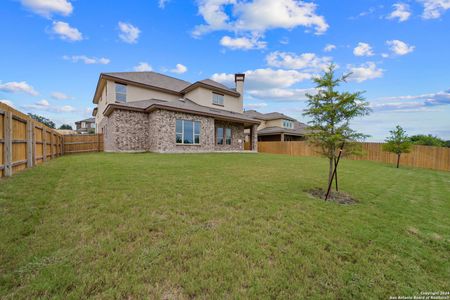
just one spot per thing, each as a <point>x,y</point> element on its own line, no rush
<point>331,111</point>
<point>398,143</point>
<point>43,120</point>
<point>65,126</point>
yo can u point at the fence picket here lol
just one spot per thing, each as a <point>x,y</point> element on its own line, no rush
<point>437,158</point>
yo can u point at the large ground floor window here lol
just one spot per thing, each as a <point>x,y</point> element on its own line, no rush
<point>187,132</point>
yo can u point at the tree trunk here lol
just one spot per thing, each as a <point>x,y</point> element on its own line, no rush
<point>330,172</point>
<point>335,175</point>
<point>398,160</point>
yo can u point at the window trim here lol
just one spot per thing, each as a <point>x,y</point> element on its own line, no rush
<point>288,124</point>
<point>116,93</point>
<point>218,94</point>
<point>224,136</point>
<point>193,132</point>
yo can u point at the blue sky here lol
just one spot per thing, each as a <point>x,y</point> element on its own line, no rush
<point>54,50</point>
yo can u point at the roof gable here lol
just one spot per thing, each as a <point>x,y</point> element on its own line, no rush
<point>152,79</point>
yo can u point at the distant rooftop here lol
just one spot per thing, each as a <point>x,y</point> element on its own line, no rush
<point>269,116</point>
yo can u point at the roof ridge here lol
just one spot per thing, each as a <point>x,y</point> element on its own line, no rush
<point>161,74</point>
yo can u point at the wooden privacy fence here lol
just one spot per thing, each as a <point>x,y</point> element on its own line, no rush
<point>25,142</point>
<point>437,158</point>
<point>80,143</point>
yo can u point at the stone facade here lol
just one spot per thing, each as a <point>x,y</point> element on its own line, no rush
<point>162,127</point>
<point>237,137</point>
<point>254,138</point>
<point>126,131</point>
<point>130,131</point>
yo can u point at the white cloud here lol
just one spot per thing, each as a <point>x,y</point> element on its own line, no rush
<point>48,7</point>
<point>399,47</point>
<point>7,102</point>
<point>44,105</point>
<point>261,79</point>
<point>87,60</point>
<point>282,95</point>
<point>142,67</point>
<point>67,108</point>
<point>409,103</point>
<point>258,16</point>
<point>284,41</point>
<point>433,9</point>
<point>368,12</point>
<point>65,32</point>
<point>128,33</point>
<point>59,96</point>
<point>401,12</point>
<point>365,72</point>
<point>162,3</point>
<point>255,105</point>
<point>363,49</point>
<point>243,43</point>
<point>16,87</point>
<point>270,84</point>
<point>308,62</point>
<point>329,47</point>
<point>179,69</point>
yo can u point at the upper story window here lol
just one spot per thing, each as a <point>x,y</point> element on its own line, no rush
<point>218,99</point>
<point>288,124</point>
<point>83,124</point>
<point>187,132</point>
<point>121,92</point>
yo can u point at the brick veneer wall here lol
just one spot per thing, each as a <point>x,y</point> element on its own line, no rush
<point>126,131</point>
<point>237,137</point>
<point>163,127</point>
<point>136,131</point>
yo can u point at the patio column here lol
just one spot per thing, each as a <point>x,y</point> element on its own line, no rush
<point>254,138</point>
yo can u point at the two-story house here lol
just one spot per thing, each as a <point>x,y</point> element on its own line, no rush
<point>85,126</point>
<point>148,111</point>
<point>276,126</point>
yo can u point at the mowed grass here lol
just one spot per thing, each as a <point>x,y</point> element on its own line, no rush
<point>221,226</point>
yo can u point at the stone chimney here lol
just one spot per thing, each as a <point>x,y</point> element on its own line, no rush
<point>239,81</point>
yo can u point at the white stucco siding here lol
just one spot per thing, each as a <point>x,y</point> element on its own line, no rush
<point>135,93</point>
<point>274,123</point>
<point>204,97</point>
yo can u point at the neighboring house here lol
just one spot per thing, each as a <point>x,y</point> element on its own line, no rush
<point>277,127</point>
<point>148,111</point>
<point>85,126</point>
<point>66,131</point>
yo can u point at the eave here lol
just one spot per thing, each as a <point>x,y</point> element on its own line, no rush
<point>209,87</point>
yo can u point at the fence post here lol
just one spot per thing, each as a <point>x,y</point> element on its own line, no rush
<point>44,144</point>
<point>8,144</point>
<point>52,142</point>
<point>30,159</point>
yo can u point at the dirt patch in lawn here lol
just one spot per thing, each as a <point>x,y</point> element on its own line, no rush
<point>338,197</point>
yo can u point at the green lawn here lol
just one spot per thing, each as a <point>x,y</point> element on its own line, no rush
<point>220,226</point>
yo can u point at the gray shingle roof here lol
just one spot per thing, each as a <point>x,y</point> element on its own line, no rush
<point>185,105</point>
<point>89,120</point>
<point>269,116</point>
<point>152,79</point>
<point>216,84</point>
<point>299,129</point>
